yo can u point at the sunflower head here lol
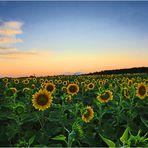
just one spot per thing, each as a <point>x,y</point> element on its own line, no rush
<point>88,114</point>
<point>10,92</point>
<point>26,81</point>
<point>68,98</point>
<point>130,82</point>
<point>16,81</point>
<point>90,86</point>
<point>126,93</point>
<point>5,80</point>
<point>105,96</point>
<point>19,108</point>
<point>42,100</point>
<point>141,91</point>
<point>72,89</point>
<point>50,87</point>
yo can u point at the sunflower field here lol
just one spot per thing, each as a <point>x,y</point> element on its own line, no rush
<point>74,111</point>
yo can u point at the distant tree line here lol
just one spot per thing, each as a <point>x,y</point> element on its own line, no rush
<point>121,71</point>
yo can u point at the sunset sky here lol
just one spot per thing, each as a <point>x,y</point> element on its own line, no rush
<point>51,38</point>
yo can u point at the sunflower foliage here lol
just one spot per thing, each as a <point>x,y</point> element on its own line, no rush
<point>74,111</point>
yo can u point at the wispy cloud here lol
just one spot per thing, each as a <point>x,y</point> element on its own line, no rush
<point>8,32</point>
<point>9,41</point>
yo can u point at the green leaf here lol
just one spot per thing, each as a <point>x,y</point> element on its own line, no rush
<point>31,140</point>
<point>124,137</point>
<point>108,141</point>
<point>144,121</point>
<point>59,137</point>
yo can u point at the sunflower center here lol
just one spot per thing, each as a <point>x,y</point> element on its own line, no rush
<point>105,96</point>
<point>142,90</point>
<point>90,85</point>
<point>50,88</point>
<point>87,114</point>
<point>19,109</point>
<point>42,100</point>
<point>73,89</point>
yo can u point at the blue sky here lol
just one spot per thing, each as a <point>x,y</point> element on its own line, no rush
<point>94,30</point>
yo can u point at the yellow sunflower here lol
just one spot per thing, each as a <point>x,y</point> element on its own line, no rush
<point>26,81</point>
<point>5,80</point>
<point>64,83</point>
<point>72,89</point>
<point>90,86</point>
<point>42,100</point>
<point>105,96</point>
<point>88,114</point>
<point>50,87</point>
<point>68,98</point>
<point>16,81</point>
<point>126,93</point>
<point>141,91</point>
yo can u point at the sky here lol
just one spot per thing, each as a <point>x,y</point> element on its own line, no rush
<point>53,38</point>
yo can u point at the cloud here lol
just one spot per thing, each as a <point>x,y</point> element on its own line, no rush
<point>8,32</point>
<point>14,24</point>
<point>9,41</point>
<point>6,49</point>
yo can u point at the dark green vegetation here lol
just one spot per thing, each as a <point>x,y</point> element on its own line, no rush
<point>120,121</point>
<point>122,71</point>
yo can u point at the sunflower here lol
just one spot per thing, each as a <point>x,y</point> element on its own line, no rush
<point>59,81</point>
<point>19,108</point>
<point>105,96</point>
<point>64,83</point>
<point>90,86</point>
<point>26,81</point>
<point>5,80</point>
<point>41,80</point>
<point>68,98</point>
<point>141,91</point>
<point>126,93</point>
<point>130,82</point>
<point>50,87</point>
<point>88,114</point>
<point>50,81</point>
<point>16,81</point>
<point>42,100</point>
<point>72,89</point>
<point>33,86</point>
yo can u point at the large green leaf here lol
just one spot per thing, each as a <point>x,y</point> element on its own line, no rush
<point>108,141</point>
<point>124,137</point>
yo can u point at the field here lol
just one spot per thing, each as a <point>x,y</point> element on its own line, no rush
<point>78,111</point>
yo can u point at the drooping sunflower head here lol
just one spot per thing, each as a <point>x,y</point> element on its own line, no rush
<point>72,89</point>
<point>141,91</point>
<point>50,87</point>
<point>88,114</point>
<point>42,100</point>
<point>10,91</point>
<point>90,86</point>
<point>105,96</point>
